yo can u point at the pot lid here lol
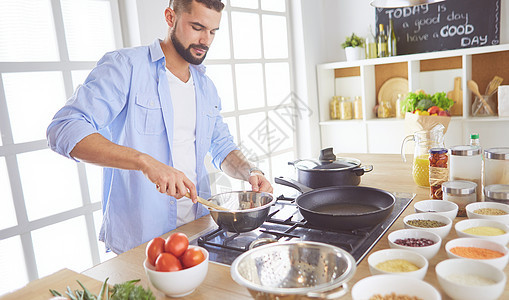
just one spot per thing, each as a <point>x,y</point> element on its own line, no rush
<point>341,163</point>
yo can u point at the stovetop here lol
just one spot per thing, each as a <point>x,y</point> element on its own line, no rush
<point>285,223</point>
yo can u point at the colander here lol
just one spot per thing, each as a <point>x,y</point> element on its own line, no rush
<point>294,270</point>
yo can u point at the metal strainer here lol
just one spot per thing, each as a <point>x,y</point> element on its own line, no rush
<point>308,269</point>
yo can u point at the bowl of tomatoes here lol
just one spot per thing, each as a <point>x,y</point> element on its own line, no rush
<point>174,267</point>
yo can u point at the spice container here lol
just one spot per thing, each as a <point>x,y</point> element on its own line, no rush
<point>497,193</point>
<point>345,111</point>
<point>496,166</point>
<point>466,164</point>
<point>438,172</point>
<point>460,192</point>
<point>334,108</point>
<point>357,108</point>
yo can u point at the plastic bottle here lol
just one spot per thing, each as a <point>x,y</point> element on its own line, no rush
<point>474,140</point>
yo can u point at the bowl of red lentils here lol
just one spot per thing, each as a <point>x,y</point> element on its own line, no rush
<point>488,210</point>
<point>420,241</point>
<point>485,229</point>
<point>431,222</point>
<point>486,251</point>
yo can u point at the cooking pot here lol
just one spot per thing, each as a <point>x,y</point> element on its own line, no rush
<point>246,210</point>
<point>294,270</point>
<point>342,207</point>
<point>330,170</point>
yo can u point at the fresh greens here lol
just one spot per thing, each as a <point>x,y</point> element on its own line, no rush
<point>353,41</point>
<point>123,291</point>
<point>424,101</point>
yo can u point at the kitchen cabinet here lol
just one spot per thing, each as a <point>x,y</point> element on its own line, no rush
<point>431,72</point>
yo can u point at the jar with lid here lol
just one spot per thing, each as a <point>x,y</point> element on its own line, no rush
<point>357,108</point>
<point>334,108</point>
<point>399,103</point>
<point>460,192</point>
<point>345,111</point>
<point>496,166</point>
<point>466,164</point>
<point>497,193</point>
<point>385,109</point>
<point>438,171</point>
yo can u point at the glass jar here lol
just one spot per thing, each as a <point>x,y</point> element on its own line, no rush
<point>385,109</point>
<point>357,108</point>
<point>334,108</point>
<point>496,166</point>
<point>399,103</point>
<point>497,193</point>
<point>466,164</point>
<point>345,111</point>
<point>460,192</point>
<point>438,171</point>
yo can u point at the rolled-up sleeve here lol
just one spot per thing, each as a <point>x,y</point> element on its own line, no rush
<point>222,142</point>
<point>93,105</point>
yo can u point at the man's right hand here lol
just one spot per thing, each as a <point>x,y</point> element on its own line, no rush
<point>168,180</point>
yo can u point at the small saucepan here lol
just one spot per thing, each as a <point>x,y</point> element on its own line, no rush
<point>342,207</point>
<point>330,170</point>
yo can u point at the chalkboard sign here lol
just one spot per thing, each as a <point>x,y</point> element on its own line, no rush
<point>450,24</point>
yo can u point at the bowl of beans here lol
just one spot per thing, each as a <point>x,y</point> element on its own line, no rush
<point>431,222</point>
<point>470,279</point>
<point>399,262</point>
<point>420,241</point>
<point>486,251</point>
<point>485,229</point>
<point>488,210</point>
<point>441,207</point>
<point>386,287</point>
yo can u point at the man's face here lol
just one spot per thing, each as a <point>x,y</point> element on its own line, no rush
<point>193,32</point>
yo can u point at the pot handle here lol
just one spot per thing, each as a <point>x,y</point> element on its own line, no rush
<point>359,171</point>
<point>292,183</point>
<point>334,294</point>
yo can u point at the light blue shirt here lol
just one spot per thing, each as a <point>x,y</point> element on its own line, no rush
<point>127,99</point>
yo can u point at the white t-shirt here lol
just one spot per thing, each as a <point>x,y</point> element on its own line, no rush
<point>184,138</point>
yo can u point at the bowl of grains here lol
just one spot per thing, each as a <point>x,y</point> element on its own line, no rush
<point>441,207</point>
<point>431,222</point>
<point>485,229</point>
<point>488,210</point>
<point>398,261</point>
<point>470,279</point>
<point>390,287</point>
<point>486,251</point>
<point>423,242</point>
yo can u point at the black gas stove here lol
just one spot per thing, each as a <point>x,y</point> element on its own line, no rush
<point>285,223</point>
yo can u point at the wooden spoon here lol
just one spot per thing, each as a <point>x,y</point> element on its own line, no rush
<point>472,85</point>
<point>493,85</point>
<point>207,203</point>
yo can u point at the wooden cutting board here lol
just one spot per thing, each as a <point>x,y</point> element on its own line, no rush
<point>39,289</point>
<point>457,96</point>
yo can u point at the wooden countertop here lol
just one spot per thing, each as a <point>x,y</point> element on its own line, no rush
<point>389,173</point>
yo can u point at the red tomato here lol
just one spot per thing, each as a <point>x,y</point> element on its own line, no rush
<point>192,257</point>
<point>167,262</point>
<point>154,248</point>
<point>176,244</point>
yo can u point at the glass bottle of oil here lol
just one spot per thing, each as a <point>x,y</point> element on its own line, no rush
<point>391,39</point>
<point>381,42</point>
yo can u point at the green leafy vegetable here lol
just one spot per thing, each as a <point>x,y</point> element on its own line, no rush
<point>424,101</point>
<point>123,291</point>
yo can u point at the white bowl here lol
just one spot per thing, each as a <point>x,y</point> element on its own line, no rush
<point>478,205</point>
<point>499,262</point>
<point>427,251</point>
<point>441,231</point>
<point>441,207</point>
<point>463,267</point>
<point>179,283</point>
<point>465,224</point>
<point>388,254</point>
<point>398,284</point>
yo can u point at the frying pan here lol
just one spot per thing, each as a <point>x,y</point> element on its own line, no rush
<point>341,207</point>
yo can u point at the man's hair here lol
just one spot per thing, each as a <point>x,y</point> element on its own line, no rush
<point>185,5</point>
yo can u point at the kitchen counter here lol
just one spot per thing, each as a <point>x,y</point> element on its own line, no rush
<point>389,173</point>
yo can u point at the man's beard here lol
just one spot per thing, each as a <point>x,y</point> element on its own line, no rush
<point>186,53</point>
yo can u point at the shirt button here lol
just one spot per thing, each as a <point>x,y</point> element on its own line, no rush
<point>172,202</point>
<point>151,103</point>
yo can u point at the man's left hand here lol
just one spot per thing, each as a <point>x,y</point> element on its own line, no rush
<point>259,183</point>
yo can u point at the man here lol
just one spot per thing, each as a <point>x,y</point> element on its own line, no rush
<point>149,115</point>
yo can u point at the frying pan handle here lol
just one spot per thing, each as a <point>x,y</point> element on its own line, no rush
<point>292,183</point>
<point>362,169</point>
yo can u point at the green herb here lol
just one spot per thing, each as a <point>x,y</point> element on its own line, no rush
<point>424,101</point>
<point>123,291</point>
<point>353,41</point>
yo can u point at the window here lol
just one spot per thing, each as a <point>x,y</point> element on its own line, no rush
<point>249,62</point>
<point>48,203</point>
